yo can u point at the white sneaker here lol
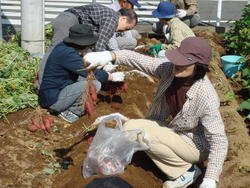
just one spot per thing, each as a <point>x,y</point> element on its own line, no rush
<point>68,116</point>
<point>185,179</point>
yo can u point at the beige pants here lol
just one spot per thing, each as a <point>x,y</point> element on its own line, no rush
<point>167,149</point>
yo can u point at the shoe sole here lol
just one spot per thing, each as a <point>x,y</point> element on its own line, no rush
<point>65,119</point>
<point>191,182</point>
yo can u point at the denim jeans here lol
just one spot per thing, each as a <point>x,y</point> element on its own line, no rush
<point>71,98</point>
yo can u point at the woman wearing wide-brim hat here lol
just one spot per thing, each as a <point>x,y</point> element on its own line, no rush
<point>184,126</point>
<point>64,81</point>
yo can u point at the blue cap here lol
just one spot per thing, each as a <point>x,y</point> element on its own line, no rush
<point>165,10</point>
<point>135,3</point>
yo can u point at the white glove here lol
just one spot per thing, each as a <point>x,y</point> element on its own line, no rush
<point>118,76</point>
<point>109,67</point>
<point>181,13</point>
<point>208,183</point>
<point>165,29</point>
<point>168,38</point>
<point>97,59</point>
<point>162,54</point>
<point>143,141</point>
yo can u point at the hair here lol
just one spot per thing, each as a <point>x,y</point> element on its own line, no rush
<point>130,14</point>
<point>125,1</point>
<point>122,1</point>
<point>200,71</point>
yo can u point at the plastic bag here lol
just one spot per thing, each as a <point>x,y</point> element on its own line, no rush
<point>112,149</point>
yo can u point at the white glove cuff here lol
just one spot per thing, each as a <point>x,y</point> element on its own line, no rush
<point>107,55</point>
<point>208,180</point>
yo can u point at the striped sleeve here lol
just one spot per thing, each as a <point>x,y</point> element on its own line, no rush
<point>215,135</point>
<point>150,65</point>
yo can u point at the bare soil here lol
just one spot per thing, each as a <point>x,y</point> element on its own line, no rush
<point>24,154</point>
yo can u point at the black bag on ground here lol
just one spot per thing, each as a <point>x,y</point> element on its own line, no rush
<point>108,182</point>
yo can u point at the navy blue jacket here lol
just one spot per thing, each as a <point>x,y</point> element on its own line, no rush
<point>62,69</point>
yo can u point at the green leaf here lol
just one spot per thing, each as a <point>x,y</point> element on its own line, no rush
<point>57,165</point>
<point>47,153</point>
<point>55,129</point>
<point>48,171</point>
<point>29,174</point>
<point>244,168</point>
<point>244,105</point>
<point>245,72</point>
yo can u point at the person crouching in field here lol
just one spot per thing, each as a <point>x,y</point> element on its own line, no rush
<point>174,29</point>
<point>64,81</point>
<point>184,126</point>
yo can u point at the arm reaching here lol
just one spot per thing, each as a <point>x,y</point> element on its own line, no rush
<point>97,59</point>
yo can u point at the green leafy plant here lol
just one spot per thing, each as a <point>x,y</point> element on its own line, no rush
<point>17,73</point>
<point>238,36</point>
<point>245,82</point>
<point>238,42</point>
<point>245,78</point>
<point>48,35</point>
<point>245,105</point>
<point>228,97</point>
<point>244,169</point>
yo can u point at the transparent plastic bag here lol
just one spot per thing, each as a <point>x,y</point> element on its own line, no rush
<point>112,149</point>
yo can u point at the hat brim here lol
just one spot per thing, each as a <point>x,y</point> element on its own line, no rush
<point>156,14</point>
<point>82,41</point>
<point>177,58</point>
<point>135,3</point>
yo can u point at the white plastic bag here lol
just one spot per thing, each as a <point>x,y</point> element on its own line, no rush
<point>112,149</point>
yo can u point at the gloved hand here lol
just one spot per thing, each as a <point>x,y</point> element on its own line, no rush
<point>153,50</point>
<point>165,29</point>
<point>157,27</point>
<point>168,38</point>
<point>208,183</point>
<point>143,141</point>
<point>181,13</point>
<point>118,76</point>
<point>109,67</point>
<point>97,59</point>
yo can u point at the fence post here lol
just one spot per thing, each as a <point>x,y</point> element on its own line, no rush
<point>32,26</point>
<point>219,6</point>
<point>1,28</point>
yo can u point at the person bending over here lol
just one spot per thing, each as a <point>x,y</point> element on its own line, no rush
<point>174,29</point>
<point>104,21</point>
<point>126,39</point>
<point>187,11</point>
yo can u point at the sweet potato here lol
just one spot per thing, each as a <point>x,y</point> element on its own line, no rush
<point>42,127</point>
<point>35,121</point>
<point>113,90</point>
<point>90,139</point>
<point>32,128</point>
<point>46,122</point>
<point>51,119</point>
<point>124,87</point>
<point>89,106</point>
<point>92,91</point>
